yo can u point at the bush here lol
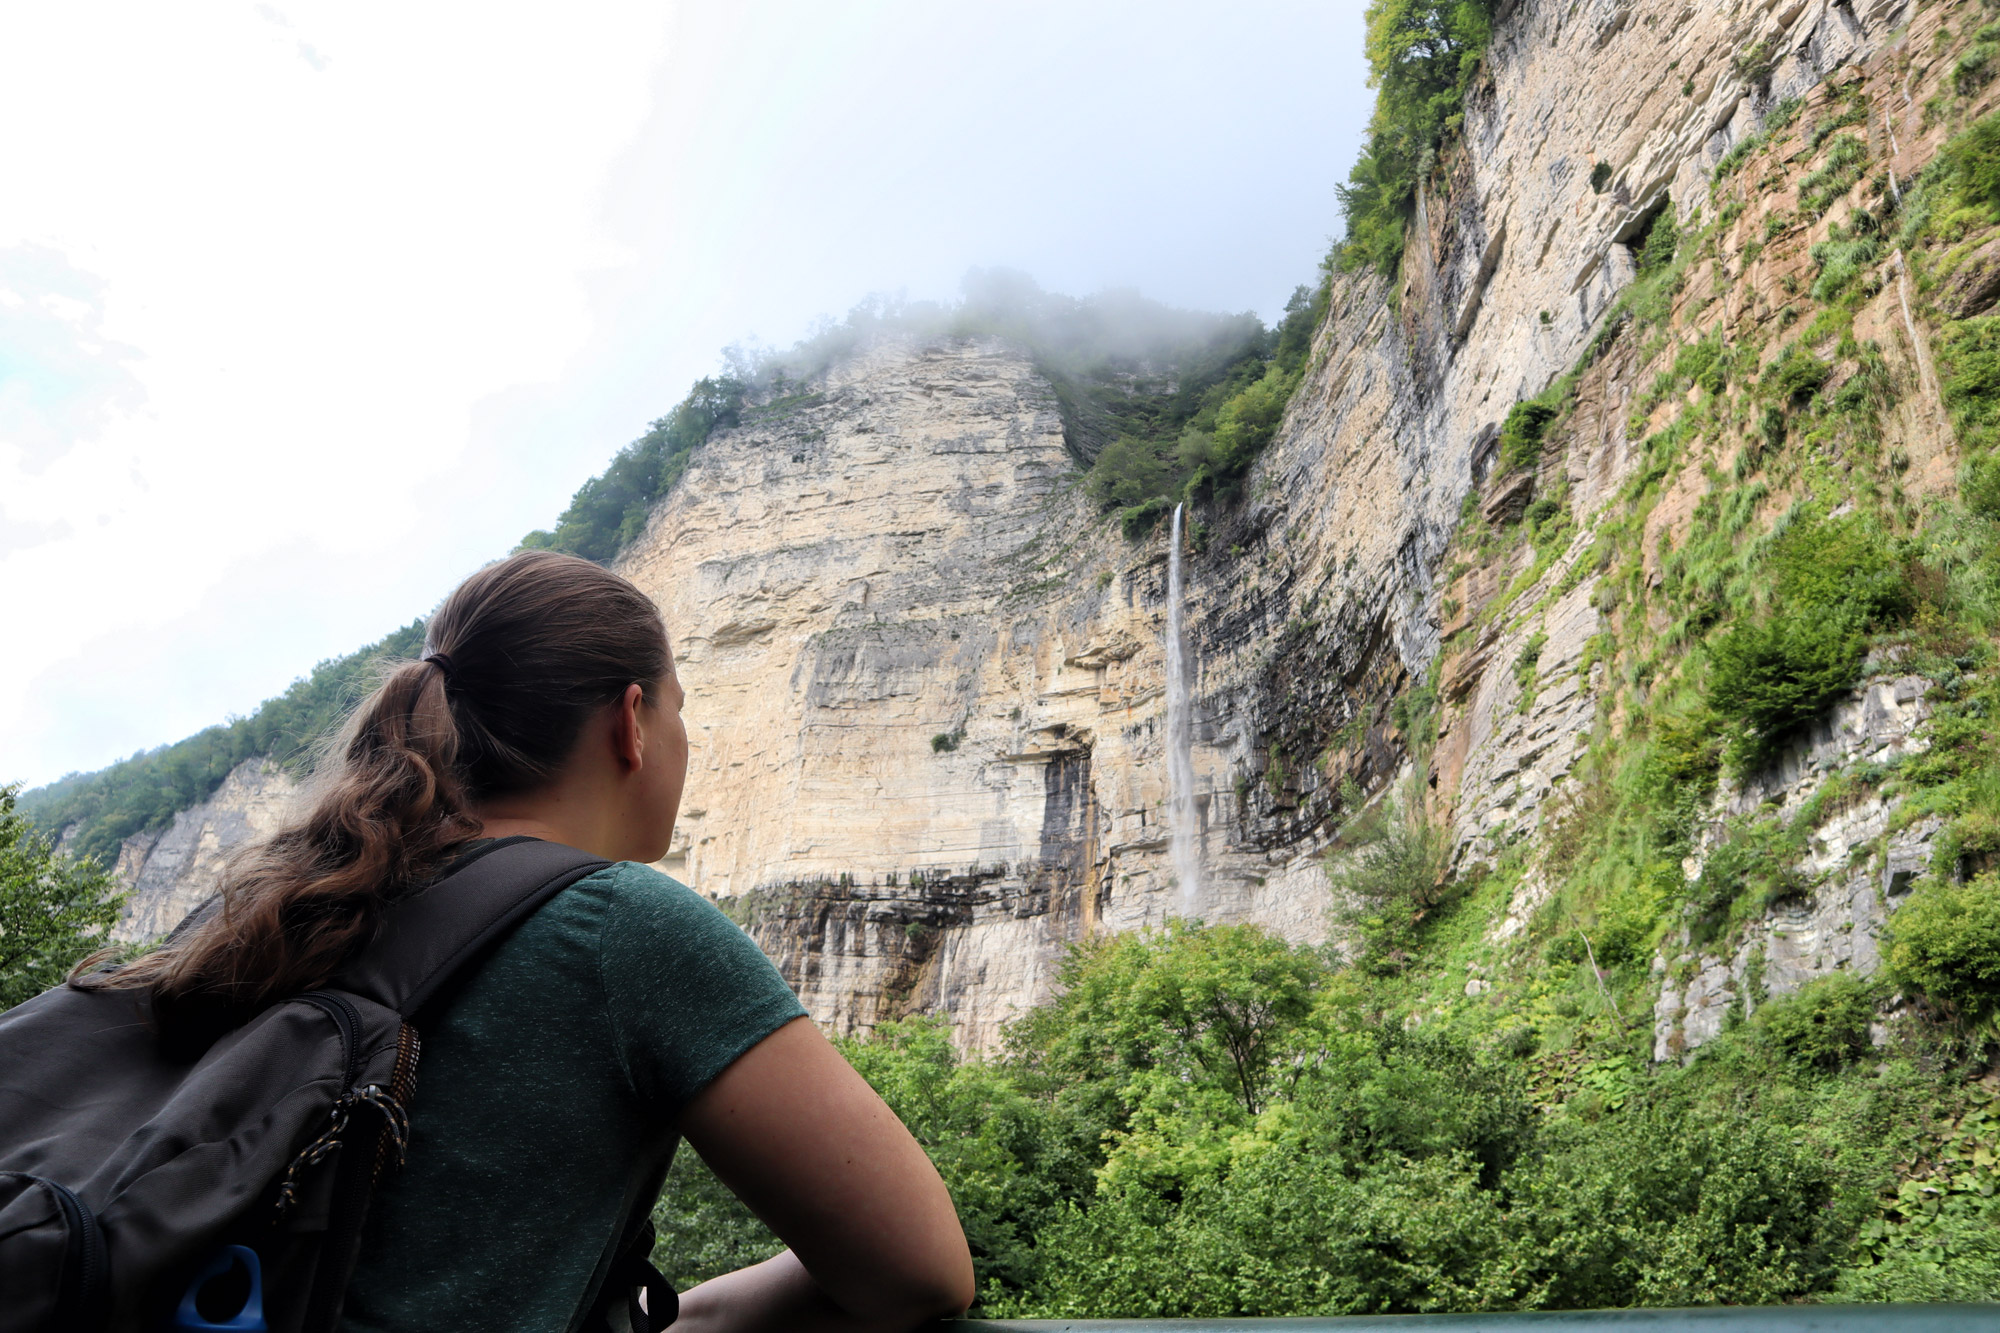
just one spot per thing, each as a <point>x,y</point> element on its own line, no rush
<point>1972,160</point>
<point>1796,375</point>
<point>1841,565</point>
<point>1834,582</point>
<point>1981,488</point>
<point>1969,352</point>
<point>1393,883</point>
<point>1841,261</point>
<point>53,909</point>
<point>1975,68</point>
<point>1654,247</point>
<point>1769,679</point>
<point>1846,156</point>
<point>1945,942</point>
<point>1139,521</point>
<point>1521,434</point>
<point>1825,1025</point>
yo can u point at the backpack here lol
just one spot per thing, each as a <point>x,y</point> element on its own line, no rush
<point>144,1188</point>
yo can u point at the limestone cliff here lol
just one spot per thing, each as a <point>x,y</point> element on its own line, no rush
<point>925,678</point>
<point>928,683</point>
<point>169,873</point>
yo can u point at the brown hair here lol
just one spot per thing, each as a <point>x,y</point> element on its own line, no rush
<point>515,662</point>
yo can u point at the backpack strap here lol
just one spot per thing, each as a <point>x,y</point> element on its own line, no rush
<point>431,936</point>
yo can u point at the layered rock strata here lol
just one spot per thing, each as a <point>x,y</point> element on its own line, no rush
<point>170,872</point>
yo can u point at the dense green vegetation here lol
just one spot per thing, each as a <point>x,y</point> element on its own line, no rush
<point>1422,58</point>
<point>143,793</point>
<point>1198,441</point>
<point>54,909</point>
<point>1211,1122</point>
<point>610,510</point>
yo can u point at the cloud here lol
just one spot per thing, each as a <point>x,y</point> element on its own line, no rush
<point>61,379</point>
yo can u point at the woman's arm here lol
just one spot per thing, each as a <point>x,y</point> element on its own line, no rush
<point>805,1142</point>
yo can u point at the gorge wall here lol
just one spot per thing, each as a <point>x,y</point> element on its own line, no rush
<point>926,678</point>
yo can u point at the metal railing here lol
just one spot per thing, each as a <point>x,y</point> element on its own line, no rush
<point>1722,1319</point>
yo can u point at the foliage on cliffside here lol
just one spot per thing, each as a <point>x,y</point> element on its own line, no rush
<point>53,908</point>
<point>1156,403</point>
<point>1422,58</point>
<point>137,795</point>
<point>610,510</point>
<point>1202,436</point>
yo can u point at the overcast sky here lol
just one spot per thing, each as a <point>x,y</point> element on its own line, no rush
<point>309,309</point>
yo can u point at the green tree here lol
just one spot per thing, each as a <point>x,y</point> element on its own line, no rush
<point>54,909</point>
<point>1422,56</point>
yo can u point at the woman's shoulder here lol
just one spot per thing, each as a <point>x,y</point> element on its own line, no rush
<point>639,906</point>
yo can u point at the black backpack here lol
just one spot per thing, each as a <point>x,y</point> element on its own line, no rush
<point>143,1188</point>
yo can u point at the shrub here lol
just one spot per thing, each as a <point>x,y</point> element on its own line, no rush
<point>1140,520</point>
<point>1945,942</point>
<point>1981,488</point>
<point>1845,158</point>
<point>1600,177</point>
<point>1796,375</point>
<point>53,908</point>
<point>1842,565</point>
<point>1770,678</point>
<point>1972,161</point>
<point>1970,354</point>
<point>1521,434</point>
<point>1840,262</point>
<point>1653,249</point>
<point>1393,883</point>
<point>1823,1026</point>
<point>1975,68</point>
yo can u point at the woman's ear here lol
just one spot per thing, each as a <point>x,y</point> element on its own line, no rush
<point>628,737</point>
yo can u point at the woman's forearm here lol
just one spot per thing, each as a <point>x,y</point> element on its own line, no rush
<point>779,1294</point>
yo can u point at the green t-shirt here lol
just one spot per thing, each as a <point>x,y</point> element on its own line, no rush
<point>546,1100</point>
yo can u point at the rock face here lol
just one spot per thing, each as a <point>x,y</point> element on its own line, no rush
<point>926,679</point>
<point>171,872</point>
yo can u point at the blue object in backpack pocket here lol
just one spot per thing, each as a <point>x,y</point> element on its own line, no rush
<point>248,1318</point>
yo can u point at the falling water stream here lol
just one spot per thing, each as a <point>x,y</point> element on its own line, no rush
<point>1181,816</point>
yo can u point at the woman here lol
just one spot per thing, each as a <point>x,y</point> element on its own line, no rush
<point>625,1015</point>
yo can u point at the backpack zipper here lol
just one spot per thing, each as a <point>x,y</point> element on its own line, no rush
<point>348,1019</point>
<point>87,1248</point>
<point>402,1083</point>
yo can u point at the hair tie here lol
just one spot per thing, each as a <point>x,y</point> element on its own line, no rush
<point>443,662</point>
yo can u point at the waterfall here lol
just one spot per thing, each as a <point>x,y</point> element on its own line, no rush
<point>1181,814</point>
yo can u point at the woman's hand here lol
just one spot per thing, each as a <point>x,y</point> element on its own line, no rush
<point>805,1142</point>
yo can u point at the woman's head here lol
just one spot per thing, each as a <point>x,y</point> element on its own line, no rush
<point>520,662</point>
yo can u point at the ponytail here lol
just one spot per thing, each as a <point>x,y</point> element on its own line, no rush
<point>517,660</point>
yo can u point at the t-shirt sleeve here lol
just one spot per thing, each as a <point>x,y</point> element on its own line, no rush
<point>688,991</point>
